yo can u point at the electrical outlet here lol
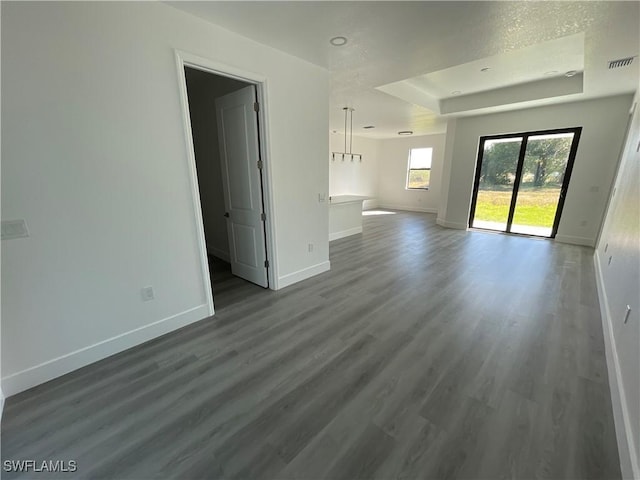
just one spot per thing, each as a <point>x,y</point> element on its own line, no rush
<point>147,293</point>
<point>14,229</point>
<point>310,247</point>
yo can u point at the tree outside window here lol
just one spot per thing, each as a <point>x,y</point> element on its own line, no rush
<point>419,171</point>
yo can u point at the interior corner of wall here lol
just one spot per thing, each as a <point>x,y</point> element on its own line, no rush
<point>575,240</point>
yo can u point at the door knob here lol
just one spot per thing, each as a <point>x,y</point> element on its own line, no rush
<point>226,214</point>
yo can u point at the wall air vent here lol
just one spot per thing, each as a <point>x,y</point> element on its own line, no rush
<point>621,62</point>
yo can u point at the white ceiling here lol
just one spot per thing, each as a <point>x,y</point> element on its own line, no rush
<point>404,58</point>
<point>528,64</point>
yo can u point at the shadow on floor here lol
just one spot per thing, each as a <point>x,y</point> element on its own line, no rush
<point>227,288</point>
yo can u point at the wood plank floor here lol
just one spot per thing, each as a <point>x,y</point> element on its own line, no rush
<point>423,353</point>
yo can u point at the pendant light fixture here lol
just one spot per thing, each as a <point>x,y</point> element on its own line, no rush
<point>348,112</point>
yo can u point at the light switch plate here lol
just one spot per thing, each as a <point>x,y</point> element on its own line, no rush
<point>14,229</point>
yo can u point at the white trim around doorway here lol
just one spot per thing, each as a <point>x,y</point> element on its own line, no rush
<point>184,59</point>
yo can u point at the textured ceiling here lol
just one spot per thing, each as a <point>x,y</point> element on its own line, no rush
<point>441,43</point>
<point>543,60</point>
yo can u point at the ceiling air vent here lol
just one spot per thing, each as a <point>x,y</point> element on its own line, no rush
<point>621,62</point>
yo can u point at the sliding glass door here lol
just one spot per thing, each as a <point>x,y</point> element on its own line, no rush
<point>495,185</point>
<point>521,181</point>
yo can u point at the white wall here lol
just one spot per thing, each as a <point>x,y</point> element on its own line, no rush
<point>94,158</point>
<point>203,89</point>
<point>603,121</point>
<point>383,172</point>
<point>354,178</point>
<point>394,157</point>
<point>445,179</point>
<point>1,390</point>
<point>619,286</point>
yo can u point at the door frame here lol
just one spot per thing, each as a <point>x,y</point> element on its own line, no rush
<point>518,176</point>
<point>185,59</point>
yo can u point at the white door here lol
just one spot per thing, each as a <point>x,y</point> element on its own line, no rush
<point>241,181</point>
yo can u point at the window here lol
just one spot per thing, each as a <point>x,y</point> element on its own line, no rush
<point>419,171</point>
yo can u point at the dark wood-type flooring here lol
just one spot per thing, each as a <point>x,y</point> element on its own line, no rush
<point>423,353</point>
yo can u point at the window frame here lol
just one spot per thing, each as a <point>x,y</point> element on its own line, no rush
<point>409,169</point>
<point>577,132</point>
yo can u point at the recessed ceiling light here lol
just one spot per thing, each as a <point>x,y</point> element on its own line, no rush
<point>405,132</point>
<point>485,69</point>
<point>570,73</point>
<point>369,126</point>
<point>456,92</point>
<point>552,72</point>
<point>338,41</point>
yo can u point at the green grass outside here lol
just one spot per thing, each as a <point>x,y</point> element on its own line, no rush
<point>535,207</point>
<point>419,178</point>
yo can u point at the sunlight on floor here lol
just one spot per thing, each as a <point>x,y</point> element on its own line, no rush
<point>522,229</point>
<point>366,213</point>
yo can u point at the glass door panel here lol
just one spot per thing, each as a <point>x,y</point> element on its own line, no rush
<point>539,190</point>
<point>495,187</point>
<point>521,181</point>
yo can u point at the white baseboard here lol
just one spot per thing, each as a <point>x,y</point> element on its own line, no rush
<point>626,443</point>
<point>408,208</point>
<point>303,274</point>
<point>30,377</point>
<point>447,224</point>
<point>216,252</point>
<point>345,233</point>
<point>587,242</point>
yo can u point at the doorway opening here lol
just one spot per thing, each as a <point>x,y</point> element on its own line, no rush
<point>521,181</point>
<point>223,119</point>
